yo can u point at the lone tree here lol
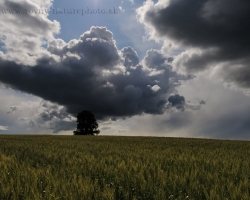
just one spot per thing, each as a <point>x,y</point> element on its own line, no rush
<point>86,124</point>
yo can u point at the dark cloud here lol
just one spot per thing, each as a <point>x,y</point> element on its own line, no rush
<point>202,102</point>
<point>130,57</point>
<point>53,116</point>
<point>202,23</point>
<point>52,111</point>
<point>180,104</point>
<point>95,48</point>
<point>238,73</point>
<point>91,73</point>
<point>218,29</point>
<point>177,101</point>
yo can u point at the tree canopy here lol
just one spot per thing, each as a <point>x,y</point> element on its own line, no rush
<point>86,124</point>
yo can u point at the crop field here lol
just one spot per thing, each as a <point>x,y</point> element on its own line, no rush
<point>109,167</point>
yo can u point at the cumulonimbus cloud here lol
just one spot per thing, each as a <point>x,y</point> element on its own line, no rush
<point>91,73</point>
<point>214,33</point>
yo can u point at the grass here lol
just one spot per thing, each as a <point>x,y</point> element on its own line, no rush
<point>109,167</point>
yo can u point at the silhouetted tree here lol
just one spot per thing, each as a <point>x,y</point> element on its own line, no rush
<point>86,124</point>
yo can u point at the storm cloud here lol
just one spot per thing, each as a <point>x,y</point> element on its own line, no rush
<point>213,33</point>
<point>201,46</point>
<point>177,101</point>
<point>91,73</point>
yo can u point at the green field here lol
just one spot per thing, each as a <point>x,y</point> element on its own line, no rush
<point>109,167</point>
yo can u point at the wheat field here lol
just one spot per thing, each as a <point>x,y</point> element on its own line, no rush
<point>113,167</point>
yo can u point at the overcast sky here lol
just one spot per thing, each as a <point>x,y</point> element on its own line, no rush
<point>156,68</point>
